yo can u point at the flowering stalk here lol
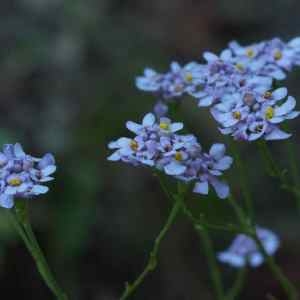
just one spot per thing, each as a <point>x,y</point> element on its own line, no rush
<point>251,231</point>
<point>206,240</point>
<point>211,260</point>
<point>238,284</point>
<point>152,261</point>
<point>22,224</point>
<point>243,182</point>
<point>273,169</point>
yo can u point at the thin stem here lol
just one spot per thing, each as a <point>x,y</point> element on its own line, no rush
<point>250,230</point>
<point>21,222</point>
<point>237,286</point>
<point>152,261</point>
<point>289,288</point>
<point>243,179</point>
<point>293,159</point>
<point>211,260</point>
<point>200,221</point>
<point>274,170</point>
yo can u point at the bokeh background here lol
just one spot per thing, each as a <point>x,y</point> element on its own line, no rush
<point>67,86</point>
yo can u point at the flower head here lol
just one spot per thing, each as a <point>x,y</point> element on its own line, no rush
<point>157,144</point>
<point>244,250</point>
<point>22,175</point>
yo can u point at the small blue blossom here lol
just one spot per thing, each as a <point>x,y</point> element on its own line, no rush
<point>157,144</point>
<point>237,85</point>
<point>22,175</point>
<point>244,251</point>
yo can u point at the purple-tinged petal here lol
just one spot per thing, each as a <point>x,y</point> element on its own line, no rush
<point>217,151</point>
<point>134,127</point>
<point>221,188</point>
<point>39,189</point>
<point>286,107</point>
<point>201,188</point>
<point>148,120</point>
<point>277,134</point>
<point>6,201</point>
<point>174,168</point>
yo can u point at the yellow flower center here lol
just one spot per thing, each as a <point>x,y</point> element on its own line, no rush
<point>250,52</point>
<point>269,113</point>
<point>134,145</point>
<point>15,181</point>
<point>189,77</point>
<point>239,66</point>
<point>267,95</point>
<point>237,115</point>
<point>178,156</point>
<point>164,126</point>
<point>277,55</point>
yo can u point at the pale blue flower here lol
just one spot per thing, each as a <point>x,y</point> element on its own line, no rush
<point>22,175</point>
<point>157,144</point>
<point>244,251</point>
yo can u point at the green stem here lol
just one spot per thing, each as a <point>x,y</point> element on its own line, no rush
<point>290,290</point>
<point>212,263</point>
<point>243,179</point>
<point>274,170</point>
<point>277,272</point>
<point>293,159</point>
<point>152,261</point>
<point>238,284</point>
<point>22,224</point>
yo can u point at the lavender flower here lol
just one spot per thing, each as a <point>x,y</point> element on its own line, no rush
<point>243,249</point>
<point>157,144</point>
<point>253,115</point>
<point>22,175</point>
<point>237,85</point>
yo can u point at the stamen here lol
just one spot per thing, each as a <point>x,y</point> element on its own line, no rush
<point>239,66</point>
<point>15,181</point>
<point>269,113</point>
<point>134,145</point>
<point>267,95</point>
<point>250,52</point>
<point>237,115</point>
<point>164,126</point>
<point>178,156</point>
<point>277,55</point>
<point>189,77</point>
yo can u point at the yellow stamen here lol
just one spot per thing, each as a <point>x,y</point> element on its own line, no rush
<point>237,115</point>
<point>277,55</point>
<point>239,66</point>
<point>267,95</point>
<point>15,181</point>
<point>134,145</point>
<point>250,52</point>
<point>178,156</point>
<point>269,113</point>
<point>164,126</point>
<point>189,77</point>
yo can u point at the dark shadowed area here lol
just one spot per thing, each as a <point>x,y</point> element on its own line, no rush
<point>67,86</point>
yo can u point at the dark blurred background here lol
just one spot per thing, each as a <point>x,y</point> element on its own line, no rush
<point>67,86</point>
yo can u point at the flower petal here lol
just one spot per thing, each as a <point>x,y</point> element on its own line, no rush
<point>217,151</point>
<point>174,168</point>
<point>201,188</point>
<point>148,120</point>
<point>6,201</point>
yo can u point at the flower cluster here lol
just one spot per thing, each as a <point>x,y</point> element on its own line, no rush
<point>237,86</point>
<point>22,175</point>
<point>158,145</point>
<point>243,249</point>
